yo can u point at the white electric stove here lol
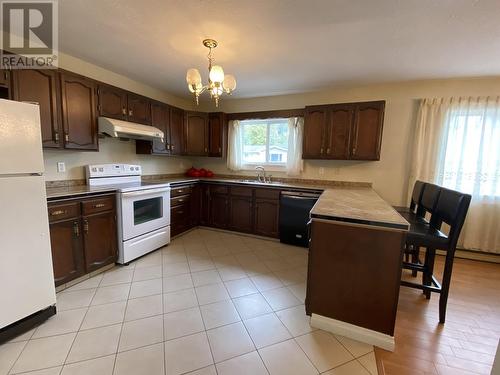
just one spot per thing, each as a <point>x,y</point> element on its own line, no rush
<point>143,208</point>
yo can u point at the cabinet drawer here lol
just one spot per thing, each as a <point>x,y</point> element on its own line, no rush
<point>60,211</point>
<point>180,190</point>
<point>100,204</point>
<point>176,201</point>
<point>219,189</point>
<point>267,193</point>
<point>179,214</point>
<point>241,191</point>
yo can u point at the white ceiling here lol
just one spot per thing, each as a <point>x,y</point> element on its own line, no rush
<point>285,46</point>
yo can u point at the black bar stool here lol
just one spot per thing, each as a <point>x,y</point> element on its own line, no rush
<point>445,206</point>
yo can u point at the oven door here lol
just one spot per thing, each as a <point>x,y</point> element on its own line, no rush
<point>144,211</point>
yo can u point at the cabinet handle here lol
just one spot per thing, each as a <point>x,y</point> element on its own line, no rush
<point>172,147</point>
<point>56,137</point>
<point>180,191</point>
<point>124,111</point>
<point>328,150</point>
<point>99,205</point>
<point>66,137</point>
<point>321,150</point>
<point>180,212</point>
<point>58,212</point>
<point>181,200</point>
<point>167,146</point>
<point>220,149</point>
<point>206,149</point>
<point>76,229</point>
<point>85,226</point>
<point>130,113</point>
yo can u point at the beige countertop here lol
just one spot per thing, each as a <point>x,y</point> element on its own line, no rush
<point>360,205</point>
<point>339,201</point>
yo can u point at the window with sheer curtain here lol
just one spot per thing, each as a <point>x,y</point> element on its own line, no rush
<point>470,159</point>
<point>457,145</point>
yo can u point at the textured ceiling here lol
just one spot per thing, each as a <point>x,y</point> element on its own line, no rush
<point>285,46</point>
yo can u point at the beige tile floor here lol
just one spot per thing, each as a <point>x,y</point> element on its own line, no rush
<point>209,303</point>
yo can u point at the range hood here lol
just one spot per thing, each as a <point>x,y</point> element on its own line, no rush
<point>125,129</point>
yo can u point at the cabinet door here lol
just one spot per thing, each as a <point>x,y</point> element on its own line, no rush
<point>216,134</point>
<point>160,119</point>
<point>266,217</point>
<point>176,134</point>
<point>196,133</point>
<point>315,123</point>
<point>78,112</point>
<point>205,198</point>
<point>67,255</point>
<point>241,214</point>
<point>180,218</point>
<point>112,102</point>
<point>219,210</point>
<point>195,205</point>
<point>367,131</point>
<point>339,129</point>
<point>139,109</point>
<point>99,239</point>
<point>40,86</point>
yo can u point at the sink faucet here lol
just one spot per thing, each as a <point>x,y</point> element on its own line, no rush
<point>260,169</point>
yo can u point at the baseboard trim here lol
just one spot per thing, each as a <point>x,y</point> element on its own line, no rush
<point>365,335</point>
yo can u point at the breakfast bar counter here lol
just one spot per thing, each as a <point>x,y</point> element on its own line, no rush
<point>354,269</point>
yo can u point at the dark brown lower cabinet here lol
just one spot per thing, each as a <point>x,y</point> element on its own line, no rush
<point>99,234</point>
<point>241,214</point>
<point>239,208</point>
<point>67,254</point>
<point>83,236</point>
<point>219,210</point>
<point>266,217</point>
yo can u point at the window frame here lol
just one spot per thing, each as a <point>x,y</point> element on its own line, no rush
<point>268,165</point>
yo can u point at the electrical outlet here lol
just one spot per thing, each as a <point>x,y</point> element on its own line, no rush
<point>61,167</point>
<point>321,171</point>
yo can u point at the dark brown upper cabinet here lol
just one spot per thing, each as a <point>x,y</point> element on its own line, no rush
<point>343,131</point>
<point>112,102</point>
<point>41,87</point>
<point>196,134</point>
<point>160,118</point>
<point>338,131</point>
<point>138,109</point>
<point>176,131</point>
<point>122,105</point>
<point>217,134</point>
<point>79,116</point>
<point>367,131</point>
<point>315,124</point>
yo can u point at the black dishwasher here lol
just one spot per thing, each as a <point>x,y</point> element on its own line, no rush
<point>295,207</point>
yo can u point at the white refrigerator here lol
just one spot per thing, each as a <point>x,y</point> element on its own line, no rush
<point>26,276</point>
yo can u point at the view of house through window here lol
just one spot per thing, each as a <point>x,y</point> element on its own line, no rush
<point>264,141</point>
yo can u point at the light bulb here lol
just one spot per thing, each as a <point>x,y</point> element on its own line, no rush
<point>216,74</point>
<point>229,83</point>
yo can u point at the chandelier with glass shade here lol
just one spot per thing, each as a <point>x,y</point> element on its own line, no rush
<point>218,82</point>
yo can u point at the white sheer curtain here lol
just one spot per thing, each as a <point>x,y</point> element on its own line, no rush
<point>294,163</point>
<point>457,145</point>
<point>234,161</point>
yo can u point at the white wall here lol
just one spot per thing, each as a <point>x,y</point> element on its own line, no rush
<point>111,150</point>
<point>389,175</point>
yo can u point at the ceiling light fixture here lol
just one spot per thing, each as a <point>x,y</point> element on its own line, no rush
<point>218,82</point>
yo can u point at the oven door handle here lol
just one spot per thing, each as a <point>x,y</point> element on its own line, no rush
<point>145,192</point>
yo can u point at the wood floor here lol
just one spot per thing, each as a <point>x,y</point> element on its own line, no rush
<point>466,343</point>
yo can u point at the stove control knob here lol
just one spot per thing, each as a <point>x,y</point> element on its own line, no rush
<point>131,168</point>
<point>94,169</point>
